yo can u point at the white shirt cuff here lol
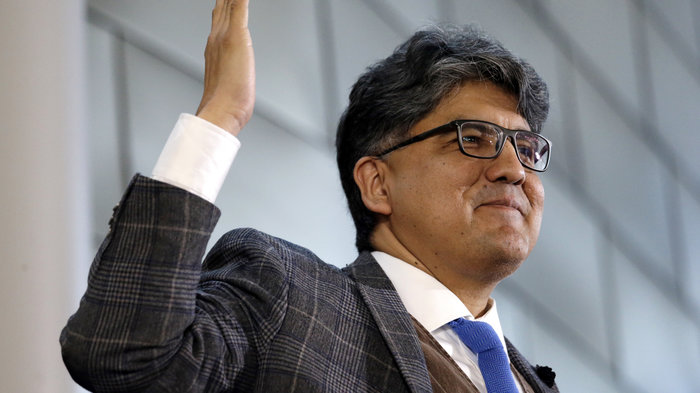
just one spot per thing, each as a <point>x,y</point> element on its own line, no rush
<point>197,157</point>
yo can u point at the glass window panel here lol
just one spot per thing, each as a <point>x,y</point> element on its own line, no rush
<point>574,374</point>
<point>283,186</point>
<point>623,176</point>
<point>658,343</point>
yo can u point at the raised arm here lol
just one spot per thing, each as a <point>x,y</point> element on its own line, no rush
<point>143,324</point>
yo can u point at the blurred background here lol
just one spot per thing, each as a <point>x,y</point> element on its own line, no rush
<point>610,298</point>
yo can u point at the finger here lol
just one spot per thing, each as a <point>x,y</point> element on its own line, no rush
<point>226,14</point>
<point>217,12</point>
<point>238,13</point>
<point>220,18</point>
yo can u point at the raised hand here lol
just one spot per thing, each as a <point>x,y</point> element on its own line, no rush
<point>229,75</point>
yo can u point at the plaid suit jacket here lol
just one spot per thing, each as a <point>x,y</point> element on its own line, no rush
<point>259,315</point>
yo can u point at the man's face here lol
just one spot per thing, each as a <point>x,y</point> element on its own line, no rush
<point>464,218</point>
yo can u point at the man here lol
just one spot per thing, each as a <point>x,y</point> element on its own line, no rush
<point>446,200</point>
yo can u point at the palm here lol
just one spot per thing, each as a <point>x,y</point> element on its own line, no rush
<point>229,76</point>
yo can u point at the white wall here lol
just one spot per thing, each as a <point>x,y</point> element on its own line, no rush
<point>44,205</point>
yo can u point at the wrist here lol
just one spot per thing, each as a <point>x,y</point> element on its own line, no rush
<point>230,121</point>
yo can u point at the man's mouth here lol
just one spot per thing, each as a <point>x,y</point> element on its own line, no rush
<point>505,203</point>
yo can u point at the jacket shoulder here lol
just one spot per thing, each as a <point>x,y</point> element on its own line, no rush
<point>252,245</point>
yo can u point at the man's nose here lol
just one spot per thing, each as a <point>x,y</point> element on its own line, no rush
<point>506,167</point>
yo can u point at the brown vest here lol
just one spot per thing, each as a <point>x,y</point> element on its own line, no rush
<point>445,374</point>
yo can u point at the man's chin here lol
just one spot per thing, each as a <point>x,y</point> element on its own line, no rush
<point>501,269</point>
<point>505,258</point>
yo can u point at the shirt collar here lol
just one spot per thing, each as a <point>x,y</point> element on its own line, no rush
<point>427,299</point>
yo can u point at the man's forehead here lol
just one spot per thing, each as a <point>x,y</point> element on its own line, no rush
<point>480,100</point>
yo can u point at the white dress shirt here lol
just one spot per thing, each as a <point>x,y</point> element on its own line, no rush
<point>433,305</point>
<point>197,158</point>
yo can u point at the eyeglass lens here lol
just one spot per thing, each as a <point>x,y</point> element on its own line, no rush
<point>485,141</point>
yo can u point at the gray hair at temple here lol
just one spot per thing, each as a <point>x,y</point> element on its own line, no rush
<point>397,92</point>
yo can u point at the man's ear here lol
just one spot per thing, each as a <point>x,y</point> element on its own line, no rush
<point>369,174</point>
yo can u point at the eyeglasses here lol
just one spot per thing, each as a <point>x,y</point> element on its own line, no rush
<point>481,139</point>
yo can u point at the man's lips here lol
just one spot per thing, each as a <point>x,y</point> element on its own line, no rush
<point>505,203</point>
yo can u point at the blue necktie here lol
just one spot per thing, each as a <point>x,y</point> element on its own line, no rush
<point>493,361</point>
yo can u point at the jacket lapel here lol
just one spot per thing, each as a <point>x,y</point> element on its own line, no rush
<point>540,378</point>
<point>396,326</point>
<point>393,320</point>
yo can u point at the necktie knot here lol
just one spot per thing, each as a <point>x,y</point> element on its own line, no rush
<point>493,361</point>
<point>478,336</point>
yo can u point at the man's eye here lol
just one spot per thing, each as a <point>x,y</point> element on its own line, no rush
<point>528,154</point>
<point>479,140</point>
<point>471,139</point>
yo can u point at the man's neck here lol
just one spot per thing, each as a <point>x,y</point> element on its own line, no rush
<point>474,294</point>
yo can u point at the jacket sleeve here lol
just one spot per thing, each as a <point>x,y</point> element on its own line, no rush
<point>142,324</point>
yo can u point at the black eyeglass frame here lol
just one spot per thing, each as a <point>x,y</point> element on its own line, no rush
<point>504,134</point>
